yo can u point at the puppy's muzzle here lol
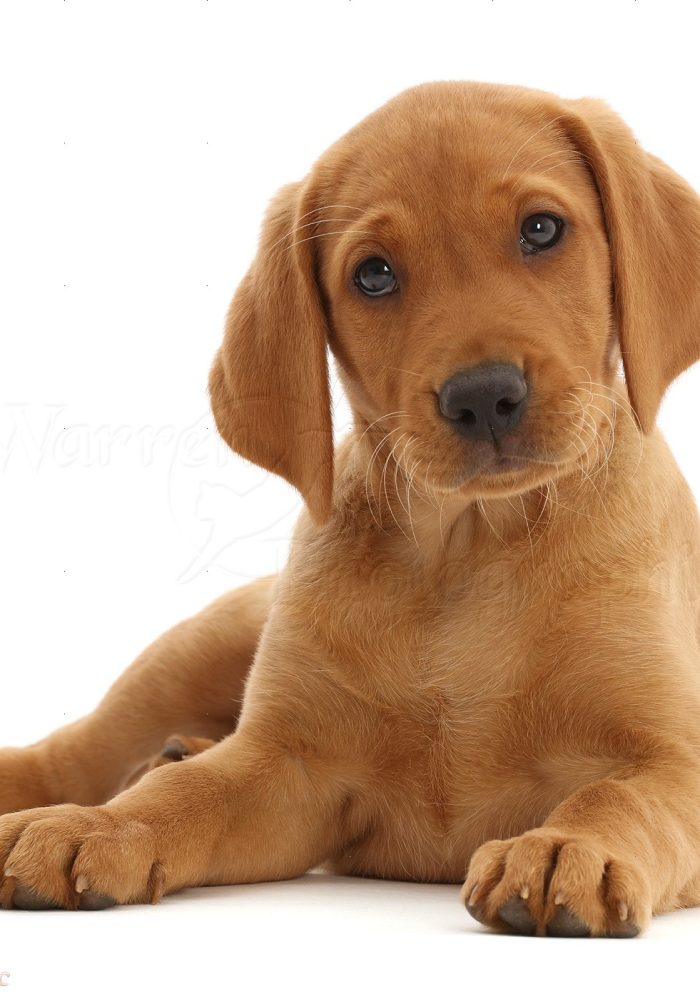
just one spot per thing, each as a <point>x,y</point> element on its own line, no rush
<point>485,402</point>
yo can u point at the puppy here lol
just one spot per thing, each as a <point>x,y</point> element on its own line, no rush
<point>481,662</point>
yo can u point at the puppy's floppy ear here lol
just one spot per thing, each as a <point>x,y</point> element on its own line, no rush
<point>653,225</point>
<point>269,382</point>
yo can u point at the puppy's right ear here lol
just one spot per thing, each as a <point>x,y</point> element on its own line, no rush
<point>269,382</point>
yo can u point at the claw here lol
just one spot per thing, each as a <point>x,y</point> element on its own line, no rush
<point>473,909</point>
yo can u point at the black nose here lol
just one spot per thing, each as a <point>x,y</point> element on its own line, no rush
<point>485,402</point>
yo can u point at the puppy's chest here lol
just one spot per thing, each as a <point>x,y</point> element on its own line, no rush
<point>434,662</point>
<point>401,632</point>
<point>441,670</point>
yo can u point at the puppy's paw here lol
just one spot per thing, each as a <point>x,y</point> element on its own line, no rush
<point>553,884</point>
<point>76,857</point>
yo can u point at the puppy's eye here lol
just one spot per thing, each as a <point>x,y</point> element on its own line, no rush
<point>539,232</point>
<point>375,277</point>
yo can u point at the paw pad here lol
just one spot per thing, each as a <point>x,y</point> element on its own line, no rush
<point>564,923</point>
<point>516,914</point>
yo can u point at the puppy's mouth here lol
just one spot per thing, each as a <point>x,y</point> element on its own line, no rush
<point>502,464</point>
<point>505,468</point>
<point>495,460</point>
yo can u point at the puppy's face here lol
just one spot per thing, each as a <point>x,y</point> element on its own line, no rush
<point>469,291</point>
<point>477,258</point>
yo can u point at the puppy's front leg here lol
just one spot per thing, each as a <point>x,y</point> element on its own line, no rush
<point>609,856</point>
<point>190,680</point>
<point>250,809</point>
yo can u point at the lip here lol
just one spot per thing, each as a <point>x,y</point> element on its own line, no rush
<point>502,464</point>
<point>496,465</point>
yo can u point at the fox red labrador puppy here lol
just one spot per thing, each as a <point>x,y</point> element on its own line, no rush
<point>481,662</point>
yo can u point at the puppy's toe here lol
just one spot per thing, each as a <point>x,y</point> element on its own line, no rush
<point>625,930</point>
<point>27,898</point>
<point>178,748</point>
<point>516,914</point>
<point>93,901</point>
<point>565,923</point>
<point>174,750</point>
<point>77,857</point>
<point>546,882</point>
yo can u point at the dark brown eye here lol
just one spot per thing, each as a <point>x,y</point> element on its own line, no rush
<point>539,232</point>
<point>374,277</point>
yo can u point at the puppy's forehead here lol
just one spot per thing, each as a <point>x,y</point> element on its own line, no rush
<point>449,137</point>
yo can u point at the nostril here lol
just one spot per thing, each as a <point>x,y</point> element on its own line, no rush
<point>467,416</point>
<point>504,407</point>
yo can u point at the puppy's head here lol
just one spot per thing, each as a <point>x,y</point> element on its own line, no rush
<point>476,257</point>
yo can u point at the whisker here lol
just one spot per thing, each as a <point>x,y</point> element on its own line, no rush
<point>409,485</point>
<point>382,484</point>
<point>430,491</point>
<point>405,371</point>
<point>547,124</point>
<point>482,508</point>
<point>442,508</point>
<point>307,225</point>
<point>620,404</point>
<point>531,166</point>
<point>335,232</point>
<point>396,470</point>
<point>383,441</point>
<point>385,416</point>
<point>561,163</point>
<point>576,158</point>
<point>541,515</point>
<point>527,524</point>
<point>325,208</point>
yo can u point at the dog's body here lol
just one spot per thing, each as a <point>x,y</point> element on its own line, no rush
<point>484,645</point>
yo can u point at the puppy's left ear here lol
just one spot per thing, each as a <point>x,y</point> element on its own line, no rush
<point>653,224</point>
<point>269,382</point>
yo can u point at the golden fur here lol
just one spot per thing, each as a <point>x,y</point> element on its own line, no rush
<point>462,667</point>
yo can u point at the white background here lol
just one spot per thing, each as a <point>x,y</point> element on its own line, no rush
<point>139,144</point>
